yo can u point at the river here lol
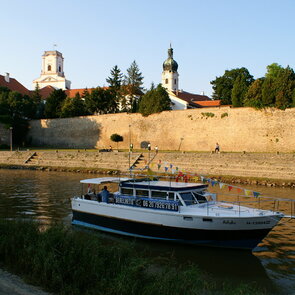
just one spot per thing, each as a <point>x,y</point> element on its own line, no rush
<point>45,196</point>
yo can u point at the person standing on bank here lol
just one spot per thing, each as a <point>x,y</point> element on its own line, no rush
<point>131,147</point>
<point>217,148</point>
<point>156,149</point>
<point>105,194</point>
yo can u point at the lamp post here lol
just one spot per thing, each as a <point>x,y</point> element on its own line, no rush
<point>11,128</point>
<point>129,147</point>
<point>181,139</point>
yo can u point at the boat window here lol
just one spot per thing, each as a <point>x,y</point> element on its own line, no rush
<point>127,191</point>
<point>188,198</point>
<point>159,195</point>
<point>141,193</point>
<point>200,198</point>
<point>171,196</point>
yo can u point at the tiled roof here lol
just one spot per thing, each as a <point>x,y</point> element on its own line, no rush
<point>208,103</point>
<point>14,85</point>
<point>72,92</point>
<point>191,97</point>
<point>46,91</point>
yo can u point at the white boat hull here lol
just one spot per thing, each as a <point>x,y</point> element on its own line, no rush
<point>198,225</point>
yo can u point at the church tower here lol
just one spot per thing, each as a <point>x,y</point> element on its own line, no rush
<point>170,74</point>
<point>52,73</point>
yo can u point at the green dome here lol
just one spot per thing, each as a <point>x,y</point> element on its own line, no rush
<point>170,64</point>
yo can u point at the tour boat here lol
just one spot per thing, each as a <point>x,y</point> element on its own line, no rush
<point>172,211</point>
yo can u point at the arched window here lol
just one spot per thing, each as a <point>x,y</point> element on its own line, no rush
<point>166,81</point>
<point>49,68</point>
<point>59,68</point>
<point>174,81</point>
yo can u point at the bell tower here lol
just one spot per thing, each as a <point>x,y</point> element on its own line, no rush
<point>52,72</point>
<point>170,74</point>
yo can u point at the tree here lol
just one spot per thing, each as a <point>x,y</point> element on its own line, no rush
<point>154,101</point>
<point>239,91</point>
<point>116,138</point>
<point>133,88</point>
<point>116,78</point>
<point>115,82</point>
<point>101,101</point>
<point>15,111</point>
<point>39,105</point>
<point>273,71</point>
<point>54,103</point>
<point>223,85</point>
<point>253,97</point>
<point>284,85</point>
<point>268,92</point>
<point>73,107</point>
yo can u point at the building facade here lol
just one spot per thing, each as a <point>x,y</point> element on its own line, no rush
<point>181,100</point>
<point>52,72</point>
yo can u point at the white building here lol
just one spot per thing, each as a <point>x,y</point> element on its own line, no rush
<point>52,73</point>
<point>180,99</point>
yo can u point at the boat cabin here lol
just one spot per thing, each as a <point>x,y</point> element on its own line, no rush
<point>157,194</point>
<point>183,193</point>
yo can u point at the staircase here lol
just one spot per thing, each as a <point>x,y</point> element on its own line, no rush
<point>32,160</point>
<point>143,161</point>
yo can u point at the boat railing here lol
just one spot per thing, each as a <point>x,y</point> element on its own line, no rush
<point>286,206</point>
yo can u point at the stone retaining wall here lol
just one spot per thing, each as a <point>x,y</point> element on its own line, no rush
<point>235,129</point>
<point>248,165</point>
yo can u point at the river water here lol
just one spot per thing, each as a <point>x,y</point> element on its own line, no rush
<point>45,196</point>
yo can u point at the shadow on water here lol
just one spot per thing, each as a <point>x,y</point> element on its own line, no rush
<point>223,265</point>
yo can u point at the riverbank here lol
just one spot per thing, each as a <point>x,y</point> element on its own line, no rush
<point>268,169</point>
<point>14,285</point>
<point>48,258</point>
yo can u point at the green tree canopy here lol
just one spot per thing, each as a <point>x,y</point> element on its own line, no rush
<point>273,71</point>
<point>133,86</point>
<point>253,97</point>
<point>223,85</point>
<point>239,91</point>
<point>284,86</point>
<point>54,103</point>
<point>116,138</point>
<point>154,101</point>
<point>73,107</point>
<point>116,78</point>
<point>15,111</point>
<point>115,83</point>
<point>101,101</point>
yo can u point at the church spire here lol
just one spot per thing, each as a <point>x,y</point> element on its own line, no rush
<point>170,74</point>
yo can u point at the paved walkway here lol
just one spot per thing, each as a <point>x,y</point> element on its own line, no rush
<point>13,285</point>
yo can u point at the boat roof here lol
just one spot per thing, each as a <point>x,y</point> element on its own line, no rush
<point>163,185</point>
<point>147,184</point>
<point>104,180</point>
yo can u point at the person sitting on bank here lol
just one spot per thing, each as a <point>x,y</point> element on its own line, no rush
<point>105,194</point>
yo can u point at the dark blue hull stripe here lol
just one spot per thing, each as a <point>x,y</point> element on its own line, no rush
<point>218,238</point>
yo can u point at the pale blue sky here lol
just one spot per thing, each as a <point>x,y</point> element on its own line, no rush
<point>208,37</point>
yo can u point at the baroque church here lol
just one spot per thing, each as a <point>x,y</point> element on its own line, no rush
<point>53,77</point>
<point>52,73</point>
<point>180,99</point>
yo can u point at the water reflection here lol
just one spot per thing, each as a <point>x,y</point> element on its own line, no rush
<point>45,196</point>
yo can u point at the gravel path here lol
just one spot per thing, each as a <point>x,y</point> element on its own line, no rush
<point>13,285</point>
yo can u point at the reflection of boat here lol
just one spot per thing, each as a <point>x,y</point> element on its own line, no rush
<point>174,211</point>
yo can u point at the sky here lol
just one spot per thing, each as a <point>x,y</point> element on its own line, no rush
<point>207,36</point>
